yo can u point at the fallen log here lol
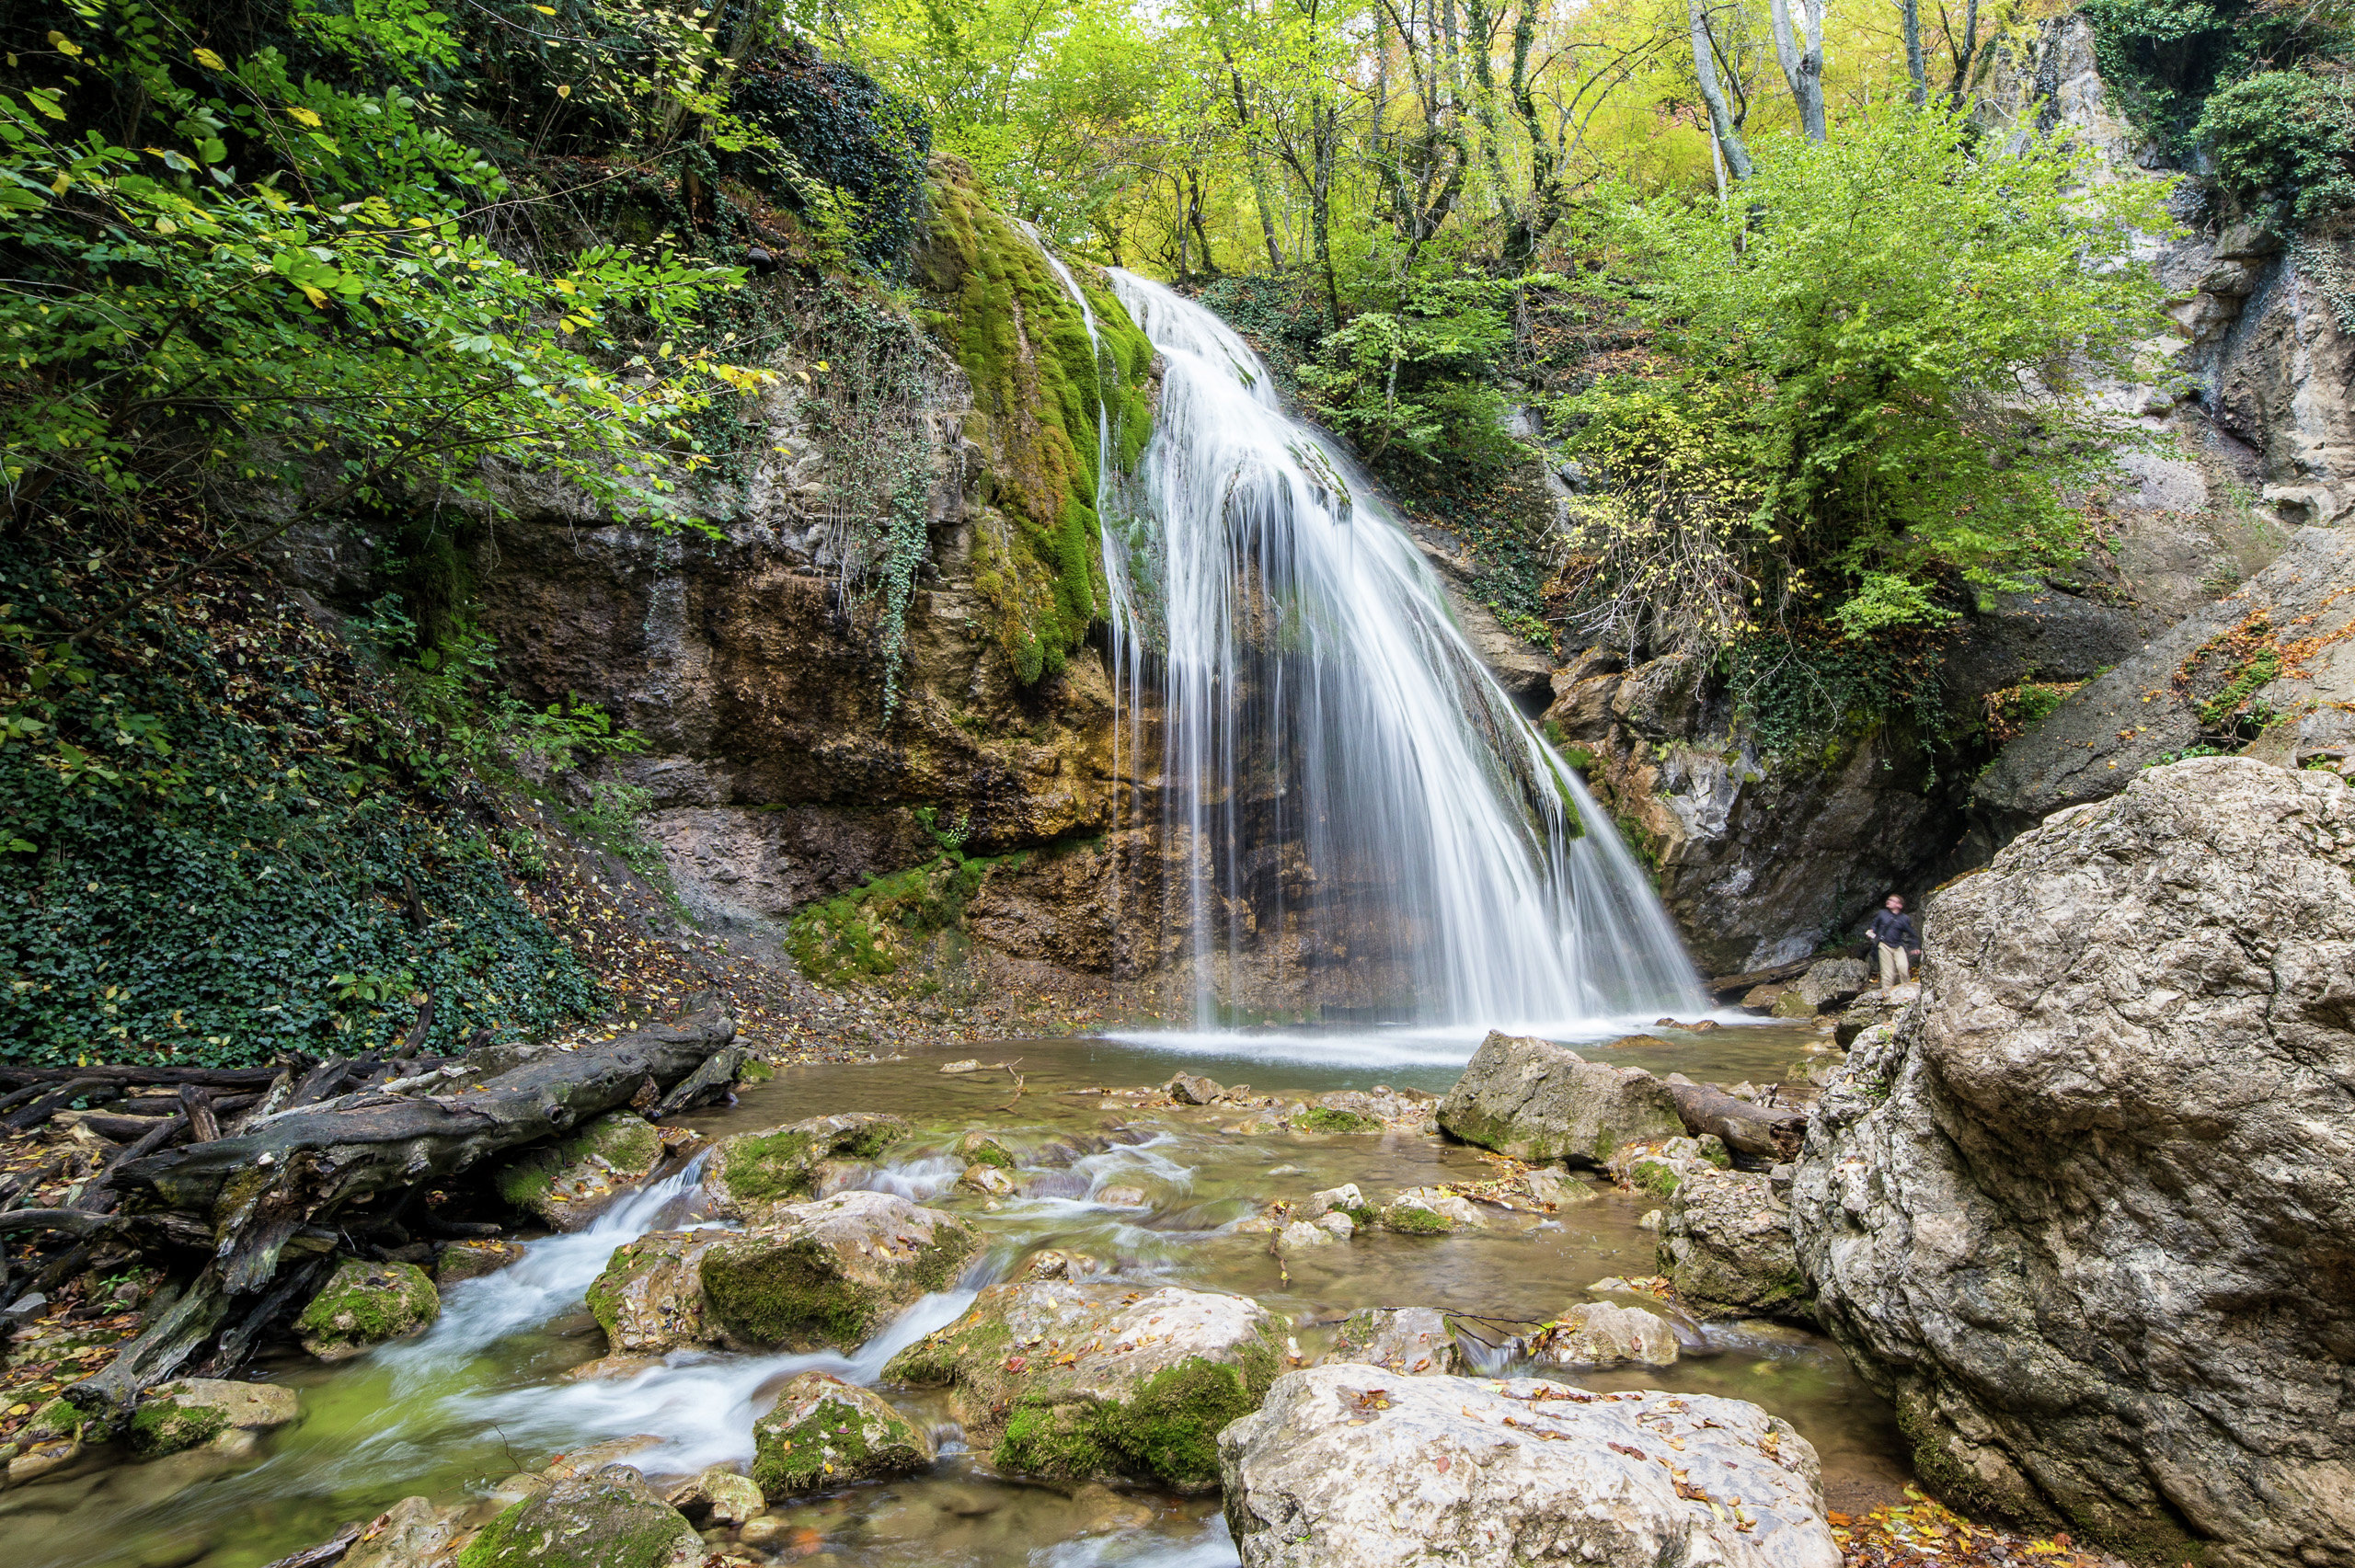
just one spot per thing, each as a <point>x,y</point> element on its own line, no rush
<point>210,1077</point>
<point>1747,1128</point>
<point>75,1222</point>
<point>1734,985</point>
<point>48,1105</point>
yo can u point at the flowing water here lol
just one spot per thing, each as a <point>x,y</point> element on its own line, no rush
<point>1369,828</point>
<point>484,1392</point>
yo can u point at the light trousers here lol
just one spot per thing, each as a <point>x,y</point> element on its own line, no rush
<point>1896,965</point>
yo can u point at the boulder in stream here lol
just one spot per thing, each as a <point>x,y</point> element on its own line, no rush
<point>1078,1382</point>
<point>828,1273</point>
<point>182,1414</point>
<point>1431,1211</point>
<point>364,1304</point>
<point>1352,1467</point>
<point>1726,1240</point>
<point>1535,1100</point>
<point>825,1433</point>
<point>457,1261</point>
<point>610,1519</point>
<point>1600,1334</point>
<point>571,1181</point>
<point>749,1173</point>
<point>1415,1342</point>
<point>2084,1217</point>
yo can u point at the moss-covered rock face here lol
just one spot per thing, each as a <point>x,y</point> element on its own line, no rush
<point>747,1175</point>
<point>1075,1382</point>
<point>820,1275</point>
<point>1324,1118</point>
<point>364,1304</point>
<point>611,1519</point>
<point>826,1433</point>
<point>569,1182</point>
<point>1038,385</point>
<point>1535,1100</point>
<point>834,1273</point>
<point>193,1411</point>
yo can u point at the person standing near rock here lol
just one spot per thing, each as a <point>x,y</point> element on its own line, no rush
<point>1892,932</point>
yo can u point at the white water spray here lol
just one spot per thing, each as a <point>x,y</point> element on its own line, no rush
<point>1360,805</point>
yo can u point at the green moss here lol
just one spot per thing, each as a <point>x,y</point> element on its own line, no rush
<point>1324,1118</point>
<point>871,931</point>
<point>1363,1216</point>
<point>989,1151</point>
<point>58,1418</point>
<point>789,1460</point>
<point>797,1294</point>
<point>1414,1221</point>
<point>609,1528</point>
<point>1654,1176</point>
<point>1038,388</point>
<point>367,1303</point>
<point>165,1427</point>
<point>624,1139</point>
<point>1169,1429</point>
<point>1056,1439</point>
<point>755,1071</point>
<point>770,1168</point>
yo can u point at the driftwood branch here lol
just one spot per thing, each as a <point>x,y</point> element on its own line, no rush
<point>1746,1129</point>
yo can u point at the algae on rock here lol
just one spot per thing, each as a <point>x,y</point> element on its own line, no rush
<point>824,1433</point>
<point>364,1304</point>
<point>750,1173</point>
<point>568,1183</point>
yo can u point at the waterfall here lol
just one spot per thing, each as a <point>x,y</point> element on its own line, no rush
<point>1366,828</point>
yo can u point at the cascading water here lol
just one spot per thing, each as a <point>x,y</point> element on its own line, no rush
<point>1369,828</point>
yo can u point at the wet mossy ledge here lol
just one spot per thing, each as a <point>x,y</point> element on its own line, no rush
<point>1039,386</point>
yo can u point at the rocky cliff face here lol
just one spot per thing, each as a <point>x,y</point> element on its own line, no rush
<point>2085,1216</point>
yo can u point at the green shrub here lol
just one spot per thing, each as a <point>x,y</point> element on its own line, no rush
<point>2286,133</point>
<point>846,150</point>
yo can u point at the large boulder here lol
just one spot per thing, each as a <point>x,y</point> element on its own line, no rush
<point>189,1411</point>
<point>611,1519</point>
<point>568,1183</point>
<point>1535,1100</point>
<point>824,1274</point>
<point>1352,1467</point>
<point>824,1433</point>
<point>748,1175</point>
<point>1725,1240</point>
<point>2085,1216</point>
<point>364,1304</point>
<point>1078,1382</point>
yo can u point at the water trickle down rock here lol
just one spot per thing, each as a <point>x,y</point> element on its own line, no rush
<point>2083,1216</point>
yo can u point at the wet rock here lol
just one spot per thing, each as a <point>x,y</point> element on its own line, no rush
<point>987,1179</point>
<point>719,1495</point>
<point>970,1064</point>
<point>39,1456</point>
<point>1055,1264</point>
<point>825,1433</point>
<point>1534,1100</point>
<point>456,1261</point>
<point>2069,1216</point>
<point>1345,1198</point>
<point>412,1533</point>
<point>1300,1236</point>
<point>1833,982</point>
<point>364,1304</point>
<point>181,1414</point>
<point>1601,1334</point>
<point>1122,1197</point>
<point>1658,1168</point>
<point>1431,1211</point>
<point>1413,1341</point>
<point>610,1519</point>
<point>1337,1225</point>
<point>569,1182</point>
<point>828,1273</point>
<point>1189,1088</point>
<point>1726,1240</point>
<point>1348,1467</point>
<point>1873,1010</point>
<point>981,1148</point>
<point>750,1173</point>
<point>1080,1382</point>
<point>1554,1190</point>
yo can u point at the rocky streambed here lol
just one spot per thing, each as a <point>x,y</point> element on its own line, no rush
<point>900,1313</point>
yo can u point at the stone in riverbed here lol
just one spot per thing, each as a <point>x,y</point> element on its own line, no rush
<point>571,1181</point>
<point>1833,982</point>
<point>2084,1217</point>
<point>1350,1467</point>
<point>1189,1088</point>
<point>986,1179</point>
<point>1081,1382</point>
<point>365,1304</point>
<point>412,1533</point>
<point>1415,1342</point>
<point>457,1261</point>
<point>822,1274</point>
<point>1431,1211</point>
<point>1726,1240</point>
<point>825,1433</point>
<point>1300,1236</point>
<point>750,1173</point>
<point>1599,1335</point>
<point>183,1413</point>
<point>1345,1198</point>
<point>718,1495</point>
<point>1537,1102</point>
<point>610,1519</point>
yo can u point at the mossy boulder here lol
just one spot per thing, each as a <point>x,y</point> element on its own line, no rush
<point>1084,1382</point>
<point>458,1261</point>
<point>1417,1342</point>
<point>364,1304</point>
<point>825,1433</point>
<point>194,1411</point>
<point>568,1183</point>
<point>827,1273</point>
<point>750,1173</point>
<point>1601,1334</point>
<point>1431,1211</point>
<point>981,1148</point>
<point>1331,1119</point>
<point>1726,1240</point>
<point>1537,1102</point>
<point>611,1519</point>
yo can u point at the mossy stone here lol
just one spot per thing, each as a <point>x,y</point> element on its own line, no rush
<point>569,1182</point>
<point>611,1519</point>
<point>363,1304</point>
<point>1324,1118</point>
<point>753,1171</point>
<point>824,1433</point>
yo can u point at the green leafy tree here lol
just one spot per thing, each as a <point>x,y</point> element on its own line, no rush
<point>1870,379</point>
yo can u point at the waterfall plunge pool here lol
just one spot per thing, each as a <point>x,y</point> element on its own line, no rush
<point>485,1393</point>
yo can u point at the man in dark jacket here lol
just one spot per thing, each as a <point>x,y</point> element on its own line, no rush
<point>1892,932</point>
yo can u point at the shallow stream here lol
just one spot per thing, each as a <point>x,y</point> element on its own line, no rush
<point>483,1394</point>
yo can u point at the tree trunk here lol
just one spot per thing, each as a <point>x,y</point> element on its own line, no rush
<point>1746,1129</point>
<point>1713,93</point>
<point>1802,66</point>
<point>1909,14</point>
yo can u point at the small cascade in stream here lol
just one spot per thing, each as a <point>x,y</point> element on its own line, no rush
<point>1368,829</point>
